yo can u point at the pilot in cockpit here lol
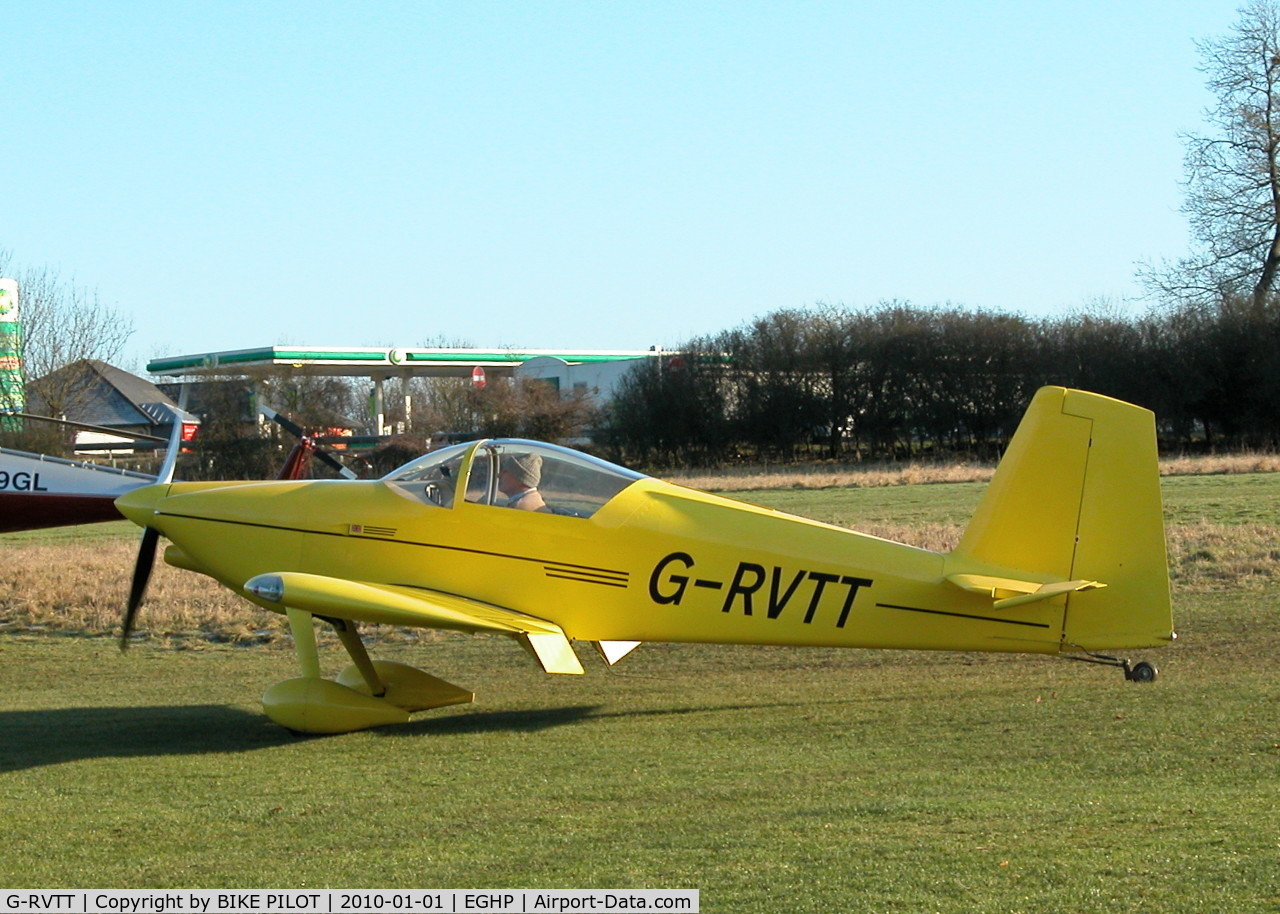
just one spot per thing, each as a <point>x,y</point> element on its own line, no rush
<point>518,480</point>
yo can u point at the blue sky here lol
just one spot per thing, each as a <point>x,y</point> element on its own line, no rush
<point>588,174</point>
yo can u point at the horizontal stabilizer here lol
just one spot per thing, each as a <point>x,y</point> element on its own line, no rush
<point>1008,592</point>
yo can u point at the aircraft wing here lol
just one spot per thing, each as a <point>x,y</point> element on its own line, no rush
<point>394,604</point>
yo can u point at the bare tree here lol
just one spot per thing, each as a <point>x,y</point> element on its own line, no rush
<point>1233,174</point>
<point>62,323</point>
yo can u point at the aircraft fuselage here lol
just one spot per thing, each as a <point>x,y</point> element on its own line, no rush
<point>657,563</point>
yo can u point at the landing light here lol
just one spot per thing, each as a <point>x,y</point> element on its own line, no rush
<point>269,587</point>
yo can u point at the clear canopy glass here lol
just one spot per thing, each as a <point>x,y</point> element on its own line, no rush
<point>568,482</point>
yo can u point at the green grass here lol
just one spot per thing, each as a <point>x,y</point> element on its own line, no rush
<point>1235,499</point>
<point>1247,498</point>
<point>940,503</point>
<point>769,778</point>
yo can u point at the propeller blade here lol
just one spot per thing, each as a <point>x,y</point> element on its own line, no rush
<point>298,432</point>
<point>141,574</point>
<point>283,421</point>
<point>333,463</point>
<point>174,449</point>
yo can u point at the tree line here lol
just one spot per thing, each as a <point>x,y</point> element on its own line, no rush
<point>896,381</point>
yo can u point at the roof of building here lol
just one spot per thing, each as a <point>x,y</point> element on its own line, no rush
<point>102,395</point>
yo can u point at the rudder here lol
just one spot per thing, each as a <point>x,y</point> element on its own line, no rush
<point>1077,497</point>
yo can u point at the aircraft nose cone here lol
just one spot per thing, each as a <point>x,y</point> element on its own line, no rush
<point>140,504</point>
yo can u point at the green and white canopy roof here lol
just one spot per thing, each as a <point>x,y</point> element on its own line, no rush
<point>375,362</point>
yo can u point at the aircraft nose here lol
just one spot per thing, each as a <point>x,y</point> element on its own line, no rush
<point>139,505</point>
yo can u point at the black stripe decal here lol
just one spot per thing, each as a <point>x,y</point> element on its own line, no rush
<point>566,577</point>
<point>618,577</point>
<point>939,612</point>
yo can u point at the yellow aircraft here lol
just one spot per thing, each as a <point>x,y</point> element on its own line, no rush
<point>1065,555</point>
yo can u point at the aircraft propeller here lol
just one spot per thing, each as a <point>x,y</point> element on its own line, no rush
<point>150,538</point>
<point>141,574</point>
<point>306,448</point>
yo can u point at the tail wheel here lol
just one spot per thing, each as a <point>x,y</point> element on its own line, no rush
<point>1142,672</point>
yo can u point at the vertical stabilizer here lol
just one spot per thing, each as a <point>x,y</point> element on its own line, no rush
<point>1077,497</point>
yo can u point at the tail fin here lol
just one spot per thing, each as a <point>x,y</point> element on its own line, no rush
<point>1077,498</point>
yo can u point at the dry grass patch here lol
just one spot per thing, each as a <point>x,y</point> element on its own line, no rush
<point>934,537</point>
<point>832,477</point>
<point>82,586</point>
<point>818,476</point>
<point>1212,555</point>
<point>1220,464</point>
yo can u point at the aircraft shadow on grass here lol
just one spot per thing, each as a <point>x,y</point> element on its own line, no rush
<point>38,738</point>
<point>534,719</point>
<point>51,736</point>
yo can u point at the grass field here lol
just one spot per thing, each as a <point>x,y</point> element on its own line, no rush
<point>771,779</point>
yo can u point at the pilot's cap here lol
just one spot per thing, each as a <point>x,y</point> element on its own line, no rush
<point>526,468</point>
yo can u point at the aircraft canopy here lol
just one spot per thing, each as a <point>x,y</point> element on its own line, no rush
<point>571,483</point>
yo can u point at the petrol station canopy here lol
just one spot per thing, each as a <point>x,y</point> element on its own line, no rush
<point>596,371</point>
<point>376,363</point>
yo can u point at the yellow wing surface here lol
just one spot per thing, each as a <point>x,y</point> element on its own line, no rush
<point>391,604</point>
